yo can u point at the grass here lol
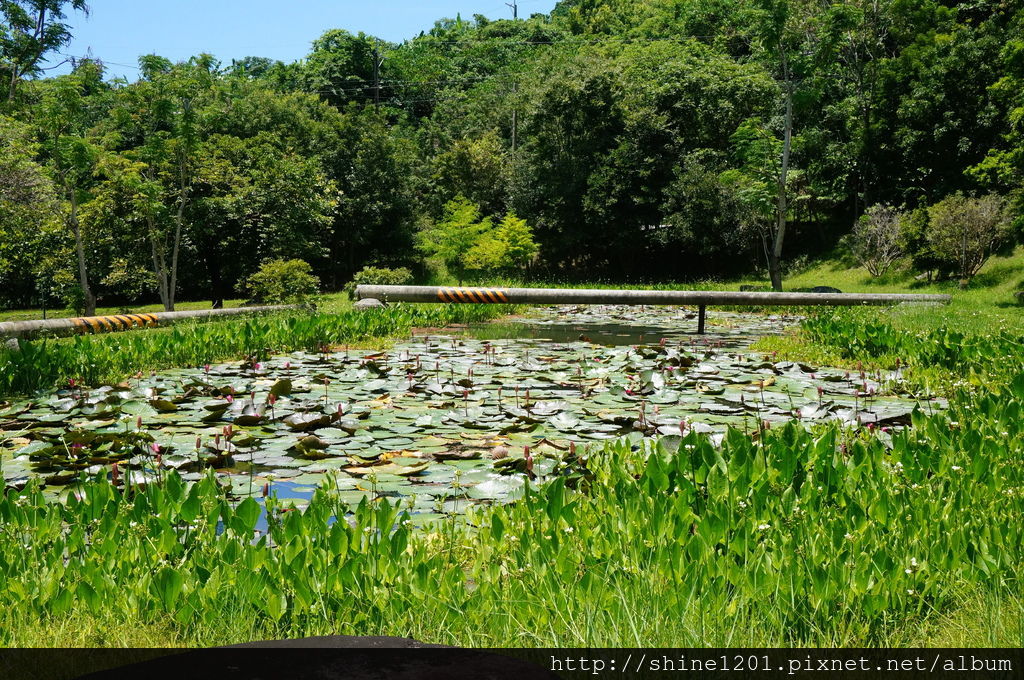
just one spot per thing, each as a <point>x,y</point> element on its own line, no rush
<point>987,305</point>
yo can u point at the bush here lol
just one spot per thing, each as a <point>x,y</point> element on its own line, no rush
<point>281,281</point>
<point>379,276</point>
<point>875,239</point>
<point>965,232</point>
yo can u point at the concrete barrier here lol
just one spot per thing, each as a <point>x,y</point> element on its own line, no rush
<point>120,322</point>
<point>587,296</point>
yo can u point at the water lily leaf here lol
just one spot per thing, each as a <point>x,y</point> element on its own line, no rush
<point>305,422</point>
<point>458,454</point>
<point>281,388</point>
<point>376,386</point>
<point>163,405</point>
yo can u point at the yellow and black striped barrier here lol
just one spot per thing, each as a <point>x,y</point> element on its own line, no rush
<point>473,295</point>
<point>118,322</point>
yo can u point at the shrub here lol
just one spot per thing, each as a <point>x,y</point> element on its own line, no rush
<point>451,239</point>
<point>914,241</point>
<point>464,242</point>
<point>965,232</point>
<point>281,281</point>
<point>379,276</point>
<point>875,240</point>
<point>510,245</point>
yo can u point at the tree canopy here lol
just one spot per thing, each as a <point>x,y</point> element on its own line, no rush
<point>626,139</point>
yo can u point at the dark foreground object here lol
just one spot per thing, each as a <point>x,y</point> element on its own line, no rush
<point>330,658</point>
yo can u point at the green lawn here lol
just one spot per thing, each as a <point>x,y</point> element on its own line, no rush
<point>987,305</point>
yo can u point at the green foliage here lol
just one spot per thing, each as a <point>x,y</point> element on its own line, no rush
<point>28,211</point>
<point>473,168</point>
<point>452,238</point>
<point>464,242</point>
<point>29,30</point>
<point>281,281</point>
<point>799,538</point>
<point>964,232</point>
<point>875,239</point>
<point>379,276</point>
<point>959,354</point>
<point>128,282</point>
<point>508,246</point>
<point>630,135</point>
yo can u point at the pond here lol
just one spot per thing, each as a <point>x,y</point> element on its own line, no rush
<point>442,418</point>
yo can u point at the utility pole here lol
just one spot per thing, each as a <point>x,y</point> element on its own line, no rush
<point>515,121</point>
<point>515,84</point>
<point>377,61</point>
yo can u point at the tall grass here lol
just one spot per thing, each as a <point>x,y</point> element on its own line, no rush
<point>94,359</point>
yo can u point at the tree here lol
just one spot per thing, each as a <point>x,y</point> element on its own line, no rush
<point>966,231</point>
<point>779,36</point>
<point>474,168</point>
<point>510,245</point>
<point>606,133</point>
<point>875,238</point>
<point>27,209</point>
<point>752,186</point>
<point>517,237</point>
<point>64,116</point>
<point>343,67</point>
<point>156,125</point>
<point>30,29</point>
<point>452,238</point>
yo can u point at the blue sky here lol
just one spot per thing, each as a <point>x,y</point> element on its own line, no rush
<point>119,31</point>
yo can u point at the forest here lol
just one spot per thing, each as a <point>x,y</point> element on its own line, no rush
<point>626,140</point>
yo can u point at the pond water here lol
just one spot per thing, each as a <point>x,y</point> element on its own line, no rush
<point>442,418</point>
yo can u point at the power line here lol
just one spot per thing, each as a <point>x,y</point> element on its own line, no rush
<point>428,40</point>
<point>92,58</point>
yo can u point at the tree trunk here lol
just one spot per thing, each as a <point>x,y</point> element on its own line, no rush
<point>159,264</point>
<point>173,285</point>
<point>13,84</point>
<point>775,261</point>
<point>179,219</point>
<point>83,272</point>
<point>216,283</point>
